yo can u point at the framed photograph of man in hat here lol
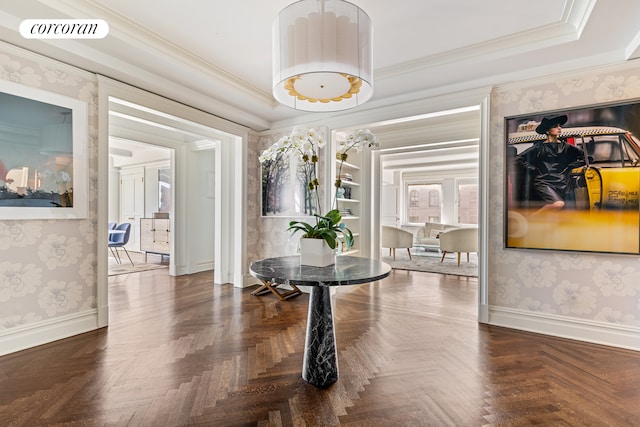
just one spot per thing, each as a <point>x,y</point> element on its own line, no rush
<point>572,179</point>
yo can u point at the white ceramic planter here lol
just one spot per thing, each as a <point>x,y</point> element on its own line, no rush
<point>316,252</point>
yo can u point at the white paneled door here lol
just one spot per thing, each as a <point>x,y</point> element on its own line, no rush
<point>132,204</point>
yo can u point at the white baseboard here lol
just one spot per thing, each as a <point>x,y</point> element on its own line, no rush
<point>32,335</point>
<point>202,266</point>
<point>609,334</point>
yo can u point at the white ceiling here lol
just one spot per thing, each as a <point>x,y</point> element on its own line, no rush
<point>216,54</point>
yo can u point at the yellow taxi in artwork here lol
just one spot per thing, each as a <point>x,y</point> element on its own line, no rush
<point>609,176</point>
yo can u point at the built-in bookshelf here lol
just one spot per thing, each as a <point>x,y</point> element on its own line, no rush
<point>347,198</point>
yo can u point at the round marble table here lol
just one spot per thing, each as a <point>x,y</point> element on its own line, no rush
<point>320,366</point>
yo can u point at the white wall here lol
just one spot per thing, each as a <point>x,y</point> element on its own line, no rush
<point>114,193</point>
<point>201,201</point>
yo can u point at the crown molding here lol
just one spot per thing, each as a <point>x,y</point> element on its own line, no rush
<point>568,28</point>
<point>136,77</point>
<point>633,49</point>
<point>134,35</point>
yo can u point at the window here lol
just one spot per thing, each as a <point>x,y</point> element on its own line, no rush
<point>425,203</point>
<point>414,200</point>
<point>434,198</point>
<point>468,202</point>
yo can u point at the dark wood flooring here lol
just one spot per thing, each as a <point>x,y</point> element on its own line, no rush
<point>181,351</point>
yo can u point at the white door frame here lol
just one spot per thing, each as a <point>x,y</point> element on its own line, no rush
<point>230,184</point>
<point>402,112</point>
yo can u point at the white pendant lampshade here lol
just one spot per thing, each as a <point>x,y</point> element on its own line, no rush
<point>322,56</point>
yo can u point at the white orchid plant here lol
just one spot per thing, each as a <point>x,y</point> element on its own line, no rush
<point>359,139</point>
<point>304,145</point>
<point>356,140</point>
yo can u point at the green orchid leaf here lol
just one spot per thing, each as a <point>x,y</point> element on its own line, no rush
<point>327,228</point>
<point>348,237</point>
<point>334,216</point>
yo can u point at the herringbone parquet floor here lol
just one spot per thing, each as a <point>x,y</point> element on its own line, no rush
<point>183,351</point>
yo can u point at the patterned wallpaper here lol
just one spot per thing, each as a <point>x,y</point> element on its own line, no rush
<point>48,267</point>
<point>269,237</point>
<point>592,286</point>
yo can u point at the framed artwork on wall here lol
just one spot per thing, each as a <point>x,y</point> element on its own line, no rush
<point>285,189</point>
<point>43,154</point>
<point>164,190</point>
<point>572,179</point>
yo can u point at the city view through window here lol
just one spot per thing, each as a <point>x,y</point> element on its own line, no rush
<point>426,202</point>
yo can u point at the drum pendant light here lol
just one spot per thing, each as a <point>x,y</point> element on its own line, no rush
<point>322,56</point>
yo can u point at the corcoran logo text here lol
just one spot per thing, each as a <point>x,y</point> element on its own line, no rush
<point>64,29</point>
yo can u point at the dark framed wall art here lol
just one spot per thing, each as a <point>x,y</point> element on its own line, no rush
<point>580,194</point>
<point>43,160</point>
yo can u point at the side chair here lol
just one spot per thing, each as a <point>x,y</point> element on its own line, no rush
<point>394,237</point>
<point>111,225</point>
<point>119,240</point>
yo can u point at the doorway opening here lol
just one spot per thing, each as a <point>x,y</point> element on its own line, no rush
<point>161,122</point>
<point>140,178</point>
<point>158,162</point>
<point>445,132</point>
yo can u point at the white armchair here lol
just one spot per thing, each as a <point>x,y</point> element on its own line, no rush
<point>394,237</point>
<point>459,240</point>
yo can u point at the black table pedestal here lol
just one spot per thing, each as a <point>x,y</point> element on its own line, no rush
<point>320,366</point>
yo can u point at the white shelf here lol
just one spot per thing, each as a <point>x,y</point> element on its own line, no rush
<point>353,203</point>
<point>347,165</point>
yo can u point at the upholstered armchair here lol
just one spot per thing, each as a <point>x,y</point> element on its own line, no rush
<point>394,237</point>
<point>459,240</point>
